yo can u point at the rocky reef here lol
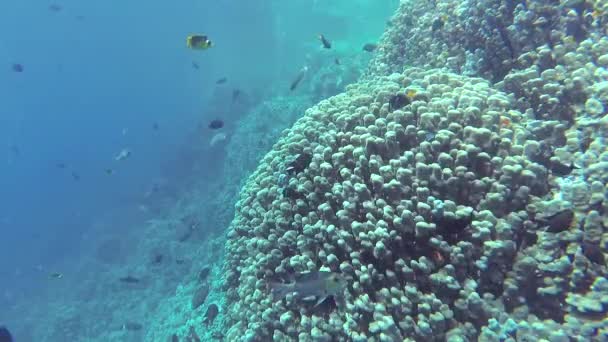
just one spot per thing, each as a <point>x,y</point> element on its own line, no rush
<point>460,185</point>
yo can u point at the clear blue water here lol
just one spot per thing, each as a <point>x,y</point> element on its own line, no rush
<point>97,77</point>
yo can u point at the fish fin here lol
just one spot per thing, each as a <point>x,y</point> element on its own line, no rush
<point>320,300</point>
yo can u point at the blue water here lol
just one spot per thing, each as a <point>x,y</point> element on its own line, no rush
<point>98,77</point>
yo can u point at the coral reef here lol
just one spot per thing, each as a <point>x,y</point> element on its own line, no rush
<point>438,207</point>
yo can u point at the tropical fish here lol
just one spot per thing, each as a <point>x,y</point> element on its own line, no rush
<point>55,275</point>
<point>370,47</point>
<point>398,101</point>
<point>298,79</point>
<point>198,42</point>
<point>55,8</point>
<point>123,154</point>
<point>317,284</point>
<point>132,326</point>
<point>5,335</point>
<point>129,280</point>
<point>17,67</point>
<point>216,124</point>
<point>558,222</point>
<point>236,93</point>
<point>326,43</point>
<point>438,23</point>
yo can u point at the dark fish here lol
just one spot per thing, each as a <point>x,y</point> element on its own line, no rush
<point>157,259</point>
<point>17,67</point>
<point>216,124</point>
<point>195,65</point>
<point>5,335</point>
<point>129,280</point>
<point>155,126</point>
<point>236,93</point>
<point>60,165</point>
<point>557,222</point>
<point>560,169</point>
<point>132,326</point>
<point>221,80</point>
<point>55,8</point>
<point>298,78</point>
<point>15,150</point>
<point>398,101</point>
<point>438,24</point>
<point>318,284</point>
<point>503,33</point>
<point>180,261</point>
<point>299,164</point>
<point>56,275</point>
<point>193,337</point>
<point>337,61</point>
<point>75,176</point>
<point>593,252</point>
<point>370,47</point>
<point>326,43</point>
<point>199,296</point>
<point>212,311</point>
<point>109,171</point>
<point>204,273</point>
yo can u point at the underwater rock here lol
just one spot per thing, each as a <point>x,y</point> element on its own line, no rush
<point>199,296</point>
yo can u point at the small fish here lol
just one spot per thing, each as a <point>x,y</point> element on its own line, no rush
<point>55,275</point>
<point>15,150</point>
<point>216,124</point>
<point>5,335</point>
<point>236,93</point>
<point>326,43</point>
<point>55,8</point>
<point>337,61</point>
<point>195,65</point>
<point>212,311</point>
<point>17,67</point>
<point>129,280</point>
<point>561,169</point>
<point>60,165</point>
<point>198,42</point>
<point>318,284</point>
<point>132,326</point>
<point>370,47</point>
<point>557,222</point>
<point>155,126</point>
<point>75,176</point>
<point>299,164</point>
<point>438,23</point>
<point>398,101</point>
<point>593,252</point>
<point>109,171</point>
<point>123,154</point>
<point>221,80</point>
<point>298,78</point>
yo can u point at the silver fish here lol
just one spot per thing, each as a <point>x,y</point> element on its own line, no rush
<point>317,284</point>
